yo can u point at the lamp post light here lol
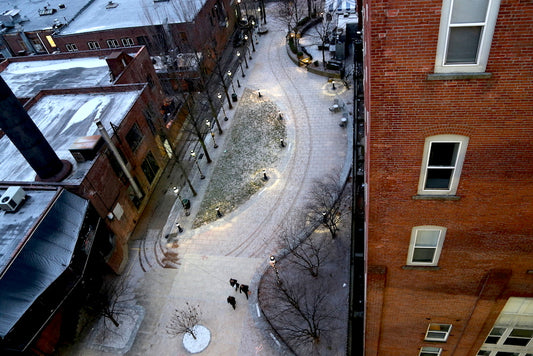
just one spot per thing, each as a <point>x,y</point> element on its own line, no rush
<point>231,81</point>
<point>272,262</point>
<point>185,207</point>
<point>193,155</point>
<point>219,95</point>
<point>246,40</point>
<point>245,61</point>
<point>208,123</point>
<point>240,63</point>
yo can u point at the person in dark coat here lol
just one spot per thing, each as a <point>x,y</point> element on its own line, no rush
<point>244,289</point>
<point>231,300</point>
<point>232,282</point>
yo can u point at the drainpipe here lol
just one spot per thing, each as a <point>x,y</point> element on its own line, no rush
<point>121,163</point>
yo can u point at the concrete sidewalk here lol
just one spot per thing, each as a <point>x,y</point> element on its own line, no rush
<point>238,244</point>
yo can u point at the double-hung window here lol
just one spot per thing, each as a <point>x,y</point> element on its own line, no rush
<point>430,351</point>
<point>71,47</point>
<point>438,332</point>
<point>127,42</point>
<point>465,35</point>
<point>112,43</point>
<point>442,164</point>
<point>426,245</point>
<point>93,45</point>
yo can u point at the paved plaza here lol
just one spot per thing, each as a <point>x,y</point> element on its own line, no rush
<point>238,244</point>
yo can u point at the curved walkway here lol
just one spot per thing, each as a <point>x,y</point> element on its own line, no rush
<point>238,244</point>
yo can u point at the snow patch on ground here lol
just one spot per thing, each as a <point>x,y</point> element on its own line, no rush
<point>203,336</point>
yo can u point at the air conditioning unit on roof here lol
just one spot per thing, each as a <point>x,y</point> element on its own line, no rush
<point>12,198</point>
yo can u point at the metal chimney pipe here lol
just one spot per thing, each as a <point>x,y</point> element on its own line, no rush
<point>28,139</point>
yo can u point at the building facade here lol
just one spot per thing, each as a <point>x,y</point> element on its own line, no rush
<point>448,152</point>
<point>117,87</point>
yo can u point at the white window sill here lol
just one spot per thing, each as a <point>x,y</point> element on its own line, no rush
<point>422,268</point>
<point>456,76</point>
<point>436,197</point>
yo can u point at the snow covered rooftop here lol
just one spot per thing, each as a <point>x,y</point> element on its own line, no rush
<point>27,78</point>
<point>104,15</point>
<point>32,15</point>
<point>62,119</point>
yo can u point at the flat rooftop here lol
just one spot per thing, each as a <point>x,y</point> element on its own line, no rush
<point>27,78</point>
<point>63,118</point>
<point>101,16</point>
<point>27,11</point>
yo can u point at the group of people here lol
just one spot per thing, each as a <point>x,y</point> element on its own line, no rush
<point>242,288</point>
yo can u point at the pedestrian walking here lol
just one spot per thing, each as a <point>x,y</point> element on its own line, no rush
<point>244,289</point>
<point>236,286</point>
<point>231,301</point>
<point>232,282</point>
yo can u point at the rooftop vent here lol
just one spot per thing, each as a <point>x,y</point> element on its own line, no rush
<point>12,198</point>
<point>111,5</point>
<point>46,11</point>
<point>61,6</point>
<point>85,148</point>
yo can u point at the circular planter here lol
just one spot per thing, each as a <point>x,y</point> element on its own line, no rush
<point>203,336</point>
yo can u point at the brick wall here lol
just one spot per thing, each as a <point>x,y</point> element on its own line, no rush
<point>490,226</point>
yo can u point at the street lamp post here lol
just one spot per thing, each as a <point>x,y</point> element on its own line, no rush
<point>193,155</point>
<point>246,47</point>
<point>219,95</point>
<point>240,64</point>
<point>245,61</point>
<point>272,262</point>
<point>208,123</point>
<point>177,192</point>
<point>231,81</point>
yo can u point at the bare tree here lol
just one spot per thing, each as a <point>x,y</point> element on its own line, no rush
<point>325,202</point>
<point>111,301</point>
<point>301,311</point>
<point>291,12</point>
<point>184,320</point>
<point>323,31</point>
<point>306,250</point>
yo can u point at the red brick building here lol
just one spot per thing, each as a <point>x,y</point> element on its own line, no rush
<point>123,90</point>
<point>449,187</point>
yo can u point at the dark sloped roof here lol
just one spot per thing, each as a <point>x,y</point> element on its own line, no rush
<point>42,260</point>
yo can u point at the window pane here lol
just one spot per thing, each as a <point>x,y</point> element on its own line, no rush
<point>438,178</point>
<point>427,238</point>
<point>483,353</point>
<point>522,333</point>
<point>423,255</point>
<point>465,11</point>
<point>436,335</point>
<point>443,154</point>
<point>516,341</point>
<point>503,353</point>
<point>492,340</point>
<point>463,45</point>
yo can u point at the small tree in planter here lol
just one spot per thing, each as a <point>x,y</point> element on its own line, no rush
<point>186,321</point>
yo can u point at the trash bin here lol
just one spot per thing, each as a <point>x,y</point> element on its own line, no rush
<point>186,203</point>
<point>234,97</point>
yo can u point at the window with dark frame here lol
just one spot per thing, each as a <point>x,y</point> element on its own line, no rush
<point>134,137</point>
<point>150,167</point>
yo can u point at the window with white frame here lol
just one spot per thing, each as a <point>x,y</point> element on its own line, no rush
<point>127,42</point>
<point>71,47</point>
<point>465,35</point>
<point>438,332</point>
<point>112,43</point>
<point>512,333</point>
<point>426,245</point>
<point>430,351</point>
<point>442,164</point>
<point>93,45</point>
